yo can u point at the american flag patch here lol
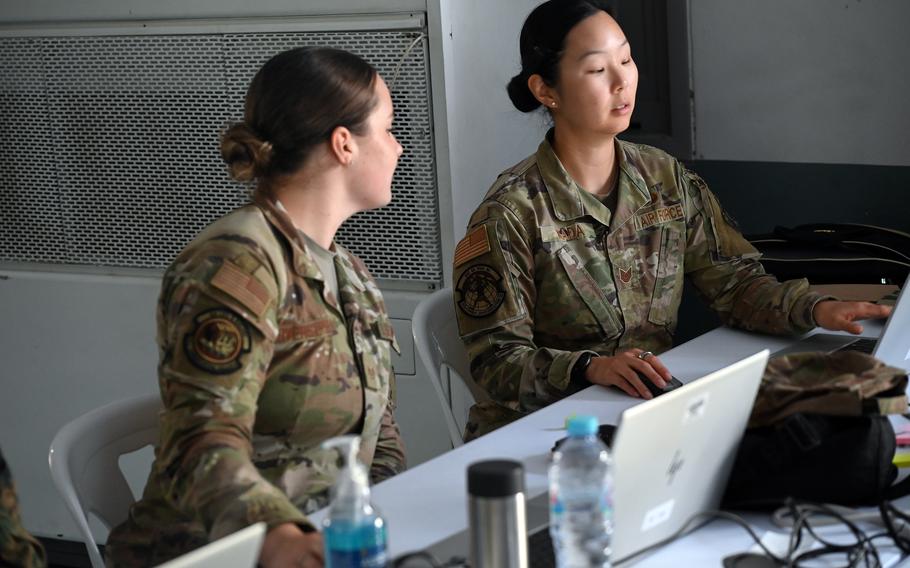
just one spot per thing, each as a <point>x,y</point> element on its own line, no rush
<point>473,245</point>
<point>242,287</point>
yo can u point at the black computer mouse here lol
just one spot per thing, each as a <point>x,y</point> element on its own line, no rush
<point>656,391</point>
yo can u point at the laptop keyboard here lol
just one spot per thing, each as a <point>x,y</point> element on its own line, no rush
<point>540,550</point>
<point>862,345</point>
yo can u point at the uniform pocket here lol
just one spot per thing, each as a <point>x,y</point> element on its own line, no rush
<point>668,284</point>
<point>374,343</point>
<point>590,293</point>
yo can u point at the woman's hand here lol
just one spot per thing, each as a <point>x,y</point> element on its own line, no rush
<point>842,316</point>
<point>286,546</point>
<point>620,371</point>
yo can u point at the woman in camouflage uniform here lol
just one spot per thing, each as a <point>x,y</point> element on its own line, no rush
<point>273,337</point>
<point>572,269</point>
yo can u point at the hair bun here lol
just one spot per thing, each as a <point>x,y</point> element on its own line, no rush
<point>520,94</point>
<point>246,155</point>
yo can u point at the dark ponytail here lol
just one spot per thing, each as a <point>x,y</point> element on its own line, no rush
<point>542,40</point>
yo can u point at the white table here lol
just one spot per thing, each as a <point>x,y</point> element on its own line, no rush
<point>428,504</point>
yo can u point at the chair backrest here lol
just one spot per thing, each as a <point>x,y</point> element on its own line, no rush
<point>442,353</point>
<point>84,462</point>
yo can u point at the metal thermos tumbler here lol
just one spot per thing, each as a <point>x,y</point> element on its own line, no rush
<point>496,512</point>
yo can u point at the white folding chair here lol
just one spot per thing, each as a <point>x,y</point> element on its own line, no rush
<point>443,354</point>
<point>84,462</point>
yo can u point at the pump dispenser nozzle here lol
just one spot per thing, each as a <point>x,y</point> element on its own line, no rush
<point>352,488</point>
<point>354,531</point>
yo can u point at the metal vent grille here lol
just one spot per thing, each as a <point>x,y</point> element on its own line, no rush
<point>109,146</point>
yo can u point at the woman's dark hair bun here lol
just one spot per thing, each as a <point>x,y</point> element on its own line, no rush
<point>246,155</point>
<point>520,95</point>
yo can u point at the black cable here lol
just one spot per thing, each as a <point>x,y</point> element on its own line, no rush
<point>860,550</point>
<point>427,559</point>
<point>887,509</point>
<point>708,515</point>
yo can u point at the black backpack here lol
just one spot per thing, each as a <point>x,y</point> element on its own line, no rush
<point>829,253</point>
<point>845,460</point>
<point>819,431</point>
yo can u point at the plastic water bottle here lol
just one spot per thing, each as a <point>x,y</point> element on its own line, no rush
<point>354,532</point>
<point>581,498</point>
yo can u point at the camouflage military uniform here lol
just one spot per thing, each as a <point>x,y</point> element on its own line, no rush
<point>17,547</point>
<point>842,383</point>
<point>548,272</point>
<point>259,364</point>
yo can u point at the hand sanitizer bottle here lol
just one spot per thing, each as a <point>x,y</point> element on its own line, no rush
<point>354,532</point>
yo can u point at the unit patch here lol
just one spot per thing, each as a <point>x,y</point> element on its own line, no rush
<point>480,287</point>
<point>659,216</point>
<point>473,245</point>
<point>217,342</point>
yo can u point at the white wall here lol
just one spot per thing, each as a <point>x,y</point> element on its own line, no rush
<point>486,133</point>
<point>69,343</point>
<point>802,81</point>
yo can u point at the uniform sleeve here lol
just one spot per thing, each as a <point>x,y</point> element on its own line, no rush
<point>725,269</point>
<point>17,546</point>
<point>494,290</point>
<point>389,458</point>
<point>216,343</point>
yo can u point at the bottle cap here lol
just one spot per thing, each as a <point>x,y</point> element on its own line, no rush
<point>496,478</point>
<point>583,426</point>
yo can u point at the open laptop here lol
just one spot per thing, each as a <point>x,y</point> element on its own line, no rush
<point>236,550</point>
<point>672,456</point>
<point>892,347</point>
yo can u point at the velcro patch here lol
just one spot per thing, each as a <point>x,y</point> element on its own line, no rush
<point>309,330</point>
<point>659,216</point>
<point>242,287</point>
<point>481,291</point>
<point>217,341</point>
<point>473,245</point>
<point>570,233</point>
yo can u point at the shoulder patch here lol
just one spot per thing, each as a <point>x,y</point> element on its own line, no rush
<point>217,341</point>
<point>481,291</point>
<point>243,287</point>
<point>473,245</point>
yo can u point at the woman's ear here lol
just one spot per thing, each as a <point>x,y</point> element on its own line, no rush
<point>544,93</point>
<point>342,145</point>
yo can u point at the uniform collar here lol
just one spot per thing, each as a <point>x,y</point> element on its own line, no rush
<point>303,263</point>
<point>633,191</point>
<point>348,275</point>
<point>567,197</point>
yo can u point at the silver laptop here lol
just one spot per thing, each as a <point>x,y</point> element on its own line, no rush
<point>236,550</point>
<point>672,456</point>
<point>892,347</point>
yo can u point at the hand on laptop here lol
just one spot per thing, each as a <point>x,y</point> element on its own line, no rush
<point>842,316</point>
<point>622,371</point>
<point>287,545</point>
